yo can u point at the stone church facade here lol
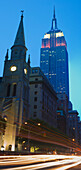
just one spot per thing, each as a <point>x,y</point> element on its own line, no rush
<point>14,90</point>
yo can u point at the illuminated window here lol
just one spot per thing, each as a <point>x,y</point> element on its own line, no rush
<point>58,113</point>
<point>5,118</point>
<point>25,70</point>
<point>59,34</point>
<point>47,36</point>
<point>42,54</point>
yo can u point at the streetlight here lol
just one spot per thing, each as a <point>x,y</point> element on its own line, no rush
<point>73,140</point>
<point>39,124</point>
<point>25,123</point>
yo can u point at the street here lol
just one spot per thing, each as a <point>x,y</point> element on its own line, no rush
<point>34,162</point>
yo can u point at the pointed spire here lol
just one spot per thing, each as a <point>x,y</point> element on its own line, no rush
<point>54,13</point>
<point>6,57</point>
<point>22,13</point>
<point>18,50</point>
<point>54,21</point>
<point>29,60</point>
<point>20,40</point>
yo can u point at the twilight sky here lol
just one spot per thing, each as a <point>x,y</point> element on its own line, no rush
<point>37,21</point>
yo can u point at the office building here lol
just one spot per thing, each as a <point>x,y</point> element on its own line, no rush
<point>54,59</point>
<point>43,99</point>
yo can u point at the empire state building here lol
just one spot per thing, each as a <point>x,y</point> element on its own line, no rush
<point>54,59</point>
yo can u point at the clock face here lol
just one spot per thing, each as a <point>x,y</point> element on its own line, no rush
<point>25,70</point>
<point>13,68</point>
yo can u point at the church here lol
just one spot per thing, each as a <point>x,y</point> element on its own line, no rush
<point>14,90</point>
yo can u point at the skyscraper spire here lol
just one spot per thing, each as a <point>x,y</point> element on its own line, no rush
<point>54,13</point>
<point>54,22</point>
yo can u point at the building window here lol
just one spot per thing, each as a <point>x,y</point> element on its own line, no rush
<point>8,90</point>
<point>36,85</point>
<point>14,89</point>
<point>16,52</point>
<point>36,79</point>
<point>36,92</point>
<point>34,114</point>
<point>34,71</point>
<point>35,99</point>
<point>35,106</point>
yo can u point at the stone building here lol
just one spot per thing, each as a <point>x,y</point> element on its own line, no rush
<point>43,99</point>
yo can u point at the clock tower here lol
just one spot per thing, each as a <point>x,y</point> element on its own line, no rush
<point>14,89</point>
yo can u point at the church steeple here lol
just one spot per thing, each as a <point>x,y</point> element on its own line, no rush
<point>20,40</point>
<point>19,49</point>
<point>54,22</point>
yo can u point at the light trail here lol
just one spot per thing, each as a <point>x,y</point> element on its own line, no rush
<point>68,166</point>
<point>24,160</point>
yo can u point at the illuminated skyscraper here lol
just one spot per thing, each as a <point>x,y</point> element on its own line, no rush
<point>54,59</point>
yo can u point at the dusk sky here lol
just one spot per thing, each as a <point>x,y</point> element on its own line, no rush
<point>37,21</point>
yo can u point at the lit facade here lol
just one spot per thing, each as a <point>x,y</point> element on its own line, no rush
<point>54,59</point>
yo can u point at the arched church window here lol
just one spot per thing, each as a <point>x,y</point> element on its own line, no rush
<point>8,90</point>
<point>14,89</point>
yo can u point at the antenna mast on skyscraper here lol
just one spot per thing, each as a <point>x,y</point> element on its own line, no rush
<point>22,11</point>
